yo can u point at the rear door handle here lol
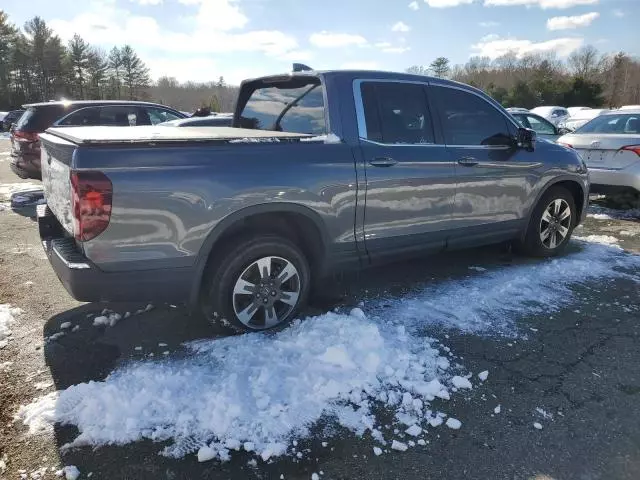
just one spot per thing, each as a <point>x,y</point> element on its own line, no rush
<point>383,162</point>
<point>468,161</point>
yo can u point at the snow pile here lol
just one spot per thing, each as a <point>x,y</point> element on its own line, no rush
<point>7,318</point>
<point>7,190</point>
<point>603,239</point>
<point>604,213</point>
<point>257,392</point>
<point>492,301</point>
<point>600,216</point>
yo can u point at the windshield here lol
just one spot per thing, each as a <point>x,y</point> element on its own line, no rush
<point>625,124</point>
<point>286,108</point>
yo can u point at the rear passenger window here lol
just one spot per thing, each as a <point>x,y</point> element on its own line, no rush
<point>469,120</point>
<point>123,116</point>
<point>82,118</point>
<point>396,113</point>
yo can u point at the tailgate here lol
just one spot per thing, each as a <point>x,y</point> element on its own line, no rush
<point>56,156</point>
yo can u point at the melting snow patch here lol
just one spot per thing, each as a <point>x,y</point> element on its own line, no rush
<point>377,451</point>
<point>604,239</point>
<point>491,302</point>
<point>497,410</point>
<point>7,318</point>
<point>401,447</point>
<point>454,423</point>
<point>413,430</point>
<point>537,426</point>
<point>71,472</point>
<point>461,382</point>
<point>65,325</point>
<point>483,375</point>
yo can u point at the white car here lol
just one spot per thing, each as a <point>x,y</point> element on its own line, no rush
<point>554,114</point>
<point>573,110</point>
<point>610,146</point>
<point>630,107</point>
<point>517,110</point>
<point>581,117</point>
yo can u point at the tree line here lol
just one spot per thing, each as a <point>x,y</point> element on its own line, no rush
<point>37,66</point>
<point>586,78</point>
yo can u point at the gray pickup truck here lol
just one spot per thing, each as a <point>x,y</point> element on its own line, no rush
<point>321,171</point>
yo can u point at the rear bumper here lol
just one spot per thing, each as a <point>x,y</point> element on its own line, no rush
<point>624,178</point>
<point>86,282</point>
<point>26,166</point>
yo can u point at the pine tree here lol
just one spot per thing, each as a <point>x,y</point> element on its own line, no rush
<point>115,72</point>
<point>135,72</point>
<point>440,67</point>
<point>8,38</point>
<point>79,56</point>
<point>97,66</point>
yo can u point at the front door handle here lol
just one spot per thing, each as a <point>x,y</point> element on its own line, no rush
<point>468,161</point>
<point>383,162</point>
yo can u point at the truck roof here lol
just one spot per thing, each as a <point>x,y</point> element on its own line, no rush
<point>375,74</point>
<point>88,103</point>
<point>165,134</point>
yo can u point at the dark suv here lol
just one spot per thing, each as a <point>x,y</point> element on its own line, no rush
<point>11,118</point>
<point>25,142</point>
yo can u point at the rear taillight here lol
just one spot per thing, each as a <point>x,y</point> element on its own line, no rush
<point>565,145</point>
<point>25,137</point>
<point>91,195</point>
<point>632,148</point>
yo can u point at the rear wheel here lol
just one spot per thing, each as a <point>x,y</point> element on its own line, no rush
<point>258,283</point>
<point>551,224</point>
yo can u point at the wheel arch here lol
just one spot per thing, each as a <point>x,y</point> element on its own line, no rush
<point>298,223</point>
<point>572,185</point>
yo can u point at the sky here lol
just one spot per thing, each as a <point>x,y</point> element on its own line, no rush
<point>201,40</point>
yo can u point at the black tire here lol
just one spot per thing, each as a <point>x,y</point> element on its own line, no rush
<point>237,259</point>
<point>533,244</point>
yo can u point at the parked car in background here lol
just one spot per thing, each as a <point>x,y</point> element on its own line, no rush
<point>581,117</point>
<point>573,110</point>
<point>517,110</point>
<point>543,127</point>
<point>610,146</point>
<point>10,118</point>
<point>322,170</point>
<point>25,142</point>
<point>210,121</point>
<point>630,107</point>
<point>553,113</point>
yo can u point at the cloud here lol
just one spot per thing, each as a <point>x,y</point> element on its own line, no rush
<point>490,37</point>
<point>147,2</point>
<point>544,4</point>
<point>447,3</point>
<point>326,39</point>
<point>617,13</point>
<point>489,24</point>
<point>414,5</point>
<point>106,25</point>
<point>496,47</point>
<point>400,27</point>
<point>360,65</point>
<point>568,23</point>
<point>396,49</point>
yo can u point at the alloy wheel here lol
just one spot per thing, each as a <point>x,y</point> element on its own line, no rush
<point>266,292</point>
<point>555,223</point>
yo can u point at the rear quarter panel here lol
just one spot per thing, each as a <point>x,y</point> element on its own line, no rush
<point>168,200</point>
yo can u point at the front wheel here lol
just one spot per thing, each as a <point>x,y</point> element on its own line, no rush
<point>259,283</point>
<point>551,224</point>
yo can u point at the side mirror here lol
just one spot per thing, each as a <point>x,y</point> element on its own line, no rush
<point>564,130</point>
<point>526,139</point>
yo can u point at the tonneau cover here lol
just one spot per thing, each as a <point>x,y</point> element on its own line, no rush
<point>165,134</point>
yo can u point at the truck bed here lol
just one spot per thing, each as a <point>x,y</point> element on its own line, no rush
<point>165,134</point>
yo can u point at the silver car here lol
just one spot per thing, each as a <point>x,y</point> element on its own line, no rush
<point>610,146</point>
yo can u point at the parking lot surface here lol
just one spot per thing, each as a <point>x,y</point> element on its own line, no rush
<point>550,349</point>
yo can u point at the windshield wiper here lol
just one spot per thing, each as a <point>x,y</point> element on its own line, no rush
<point>276,124</point>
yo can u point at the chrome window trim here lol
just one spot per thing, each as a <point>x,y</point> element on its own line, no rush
<point>362,125</point>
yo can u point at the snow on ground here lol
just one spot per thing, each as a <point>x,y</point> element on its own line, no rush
<point>604,213</point>
<point>260,392</point>
<point>491,301</point>
<point>7,318</point>
<point>6,135</point>
<point>7,190</point>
